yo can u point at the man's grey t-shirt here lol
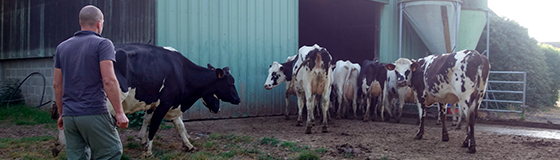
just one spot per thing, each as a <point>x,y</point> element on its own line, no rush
<point>78,58</point>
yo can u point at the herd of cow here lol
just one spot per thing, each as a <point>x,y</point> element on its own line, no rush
<point>164,83</point>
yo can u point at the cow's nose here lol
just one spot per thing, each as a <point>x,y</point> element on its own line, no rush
<point>268,86</point>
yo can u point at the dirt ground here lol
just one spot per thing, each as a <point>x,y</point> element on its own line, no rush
<point>367,140</point>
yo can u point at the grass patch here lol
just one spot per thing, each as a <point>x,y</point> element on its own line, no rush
<point>25,115</point>
<point>307,156</point>
<point>133,145</point>
<point>271,141</point>
<point>321,150</point>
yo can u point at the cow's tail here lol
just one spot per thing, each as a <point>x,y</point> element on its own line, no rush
<point>297,71</point>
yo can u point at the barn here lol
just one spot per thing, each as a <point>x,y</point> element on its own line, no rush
<point>246,35</point>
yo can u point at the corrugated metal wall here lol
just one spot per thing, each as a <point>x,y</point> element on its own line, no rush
<point>246,35</point>
<point>33,28</point>
<point>412,45</point>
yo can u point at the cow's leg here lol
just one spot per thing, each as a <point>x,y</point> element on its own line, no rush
<point>60,144</point>
<point>159,113</point>
<point>420,133</point>
<point>460,113</point>
<point>341,109</point>
<point>378,103</point>
<point>178,122</point>
<point>442,113</point>
<point>147,119</point>
<point>438,121</point>
<point>355,103</point>
<point>385,102</point>
<point>368,104</point>
<point>301,103</point>
<point>400,109</point>
<point>452,110</point>
<point>287,100</point>
<point>325,106</point>
<point>310,107</point>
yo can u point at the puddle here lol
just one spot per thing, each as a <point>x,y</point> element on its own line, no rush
<point>531,132</point>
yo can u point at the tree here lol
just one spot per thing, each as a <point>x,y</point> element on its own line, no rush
<point>512,49</point>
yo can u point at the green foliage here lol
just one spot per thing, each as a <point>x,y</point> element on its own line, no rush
<point>25,115</point>
<point>552,60</point>
<point>136,119</point>
<point>8,88</point>
<point>133,145</point>
<point>512,49</point>
<point>307,156</point>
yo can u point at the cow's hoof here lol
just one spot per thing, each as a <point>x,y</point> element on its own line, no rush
<point>454,124</point>
<point>147,155</point>
<point>287,117</point>
<point>438,122</point>
<point>465,144</point>
<point>338,117</point>
<point>458,128</point>
<point>55,152</point>
<point>472,150</point>
<point>325,129</point>
<point>299,123</point>
<point>445,138</point>
<point>366,119</point>
<point>418,137</point>
<point>191,149</point>
<point>308,130</point>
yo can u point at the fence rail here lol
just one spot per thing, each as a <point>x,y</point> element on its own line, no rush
<point>490,91</point>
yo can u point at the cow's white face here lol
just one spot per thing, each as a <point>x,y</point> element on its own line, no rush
<point>275,76</point>
<point>403,69</point>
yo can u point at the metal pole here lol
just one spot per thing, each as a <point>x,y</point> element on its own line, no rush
<point>524,92</point>
<point>458,16</point>
<point>400,28</point>
<point>488,34</point>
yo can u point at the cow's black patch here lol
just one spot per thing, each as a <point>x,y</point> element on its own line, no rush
<point>463,89</point>
<point>274,78</point>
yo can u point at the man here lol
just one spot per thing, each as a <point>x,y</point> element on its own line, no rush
<point>83,80</point>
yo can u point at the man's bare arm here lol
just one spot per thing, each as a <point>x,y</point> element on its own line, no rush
<point>111,86</point>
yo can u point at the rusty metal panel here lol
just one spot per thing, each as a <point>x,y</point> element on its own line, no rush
<point>33,28</point>
<point>246,35</point>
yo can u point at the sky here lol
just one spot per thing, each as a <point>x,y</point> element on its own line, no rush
<point>540,17</point>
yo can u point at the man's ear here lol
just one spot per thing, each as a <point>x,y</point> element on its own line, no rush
<point>390,67</point>
<point>219,73</point>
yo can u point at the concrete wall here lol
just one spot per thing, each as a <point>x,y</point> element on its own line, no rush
<point>32,88</point>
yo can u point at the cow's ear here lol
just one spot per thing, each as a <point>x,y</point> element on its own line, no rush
<point>210,67</point>
<point>281,68</point>
<point>414,66</point>
<point>390,67</point>
<point>226,69</point>
<point>219,73</point>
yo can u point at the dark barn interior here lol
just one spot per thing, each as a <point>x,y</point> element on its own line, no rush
<point>349,29</point>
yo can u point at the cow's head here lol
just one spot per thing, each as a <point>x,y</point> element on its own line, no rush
<point>403,68</point>
<point>275,75</point>
<point>226,90</point>
<point>212,103</point>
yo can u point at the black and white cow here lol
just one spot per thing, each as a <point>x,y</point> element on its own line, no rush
<point>457,78</point>
<point>210,101</point>
<point>152,76</point>
<point>310,74</point>
<point>370,82</point>
<point>396,86</point>
<point>345,85</point>
<point>279,75</point>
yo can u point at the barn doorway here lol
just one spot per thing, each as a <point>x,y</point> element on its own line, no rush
<point>349,29</point>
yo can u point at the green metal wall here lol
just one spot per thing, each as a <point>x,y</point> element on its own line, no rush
<point>246,35</point>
